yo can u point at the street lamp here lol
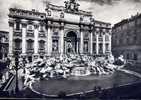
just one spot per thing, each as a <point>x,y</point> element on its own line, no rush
<point>16,69</point>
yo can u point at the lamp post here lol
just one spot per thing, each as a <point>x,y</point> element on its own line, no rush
<point>16,69</point>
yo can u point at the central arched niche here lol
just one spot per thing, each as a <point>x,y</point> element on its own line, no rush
<point>71,42</point>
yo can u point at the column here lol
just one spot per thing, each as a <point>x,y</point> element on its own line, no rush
<point>103,43</point>
<point>36,44</point>
<point>46,43</point>
<point>81,42</point>
<point>110,43</point>
<point>62,39</point>
<point>91,43</point>
<point>97,44</point>
<point>11,29</point>
<point>49,40</point>
<point>24,24</point>
<point>78,45</point>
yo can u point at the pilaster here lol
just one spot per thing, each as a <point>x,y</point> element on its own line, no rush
<point>11,30</point>
<point>24,28</point>
<point>36,44</point>
<point>97,43</point>
<point>61,38</point>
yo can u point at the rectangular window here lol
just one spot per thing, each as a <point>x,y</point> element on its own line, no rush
<point>106,38</point>
<point>41,29</point>
<point>94,47</point>
<point>107,47</point>
<point>41,45</point>
<point>17,25</point>
<point>30,45</point>
<point>100,48</point>
<point>17,45</point>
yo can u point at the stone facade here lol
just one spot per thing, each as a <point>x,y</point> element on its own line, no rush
<point>126,38</point>
<point>58,31</point>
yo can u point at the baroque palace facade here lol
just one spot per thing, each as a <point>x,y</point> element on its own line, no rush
<point>126,39</point>
<point>58,31</point>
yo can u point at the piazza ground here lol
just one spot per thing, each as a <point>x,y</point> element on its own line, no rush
<point>75,84</point>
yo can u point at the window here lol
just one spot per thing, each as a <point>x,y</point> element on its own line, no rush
<point>17,44</point>
<point>17,25</point>
<point>86,35</point>
<point>41,28</point>
<point>94,37</point>
<point>55,33</point>
<point>100,47</point>
<point>107,47</point>
<point>94,47</point>
<point>30,27</point>
<point>100,35</point>
<point>30,44</point>
<point>42,45</point>
<point>55,45</point>
<point>106,38</point>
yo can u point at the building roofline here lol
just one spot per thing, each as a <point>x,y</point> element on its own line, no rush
<point>125,21</point>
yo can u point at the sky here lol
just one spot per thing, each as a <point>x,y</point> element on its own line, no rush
<point>112,11</point>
